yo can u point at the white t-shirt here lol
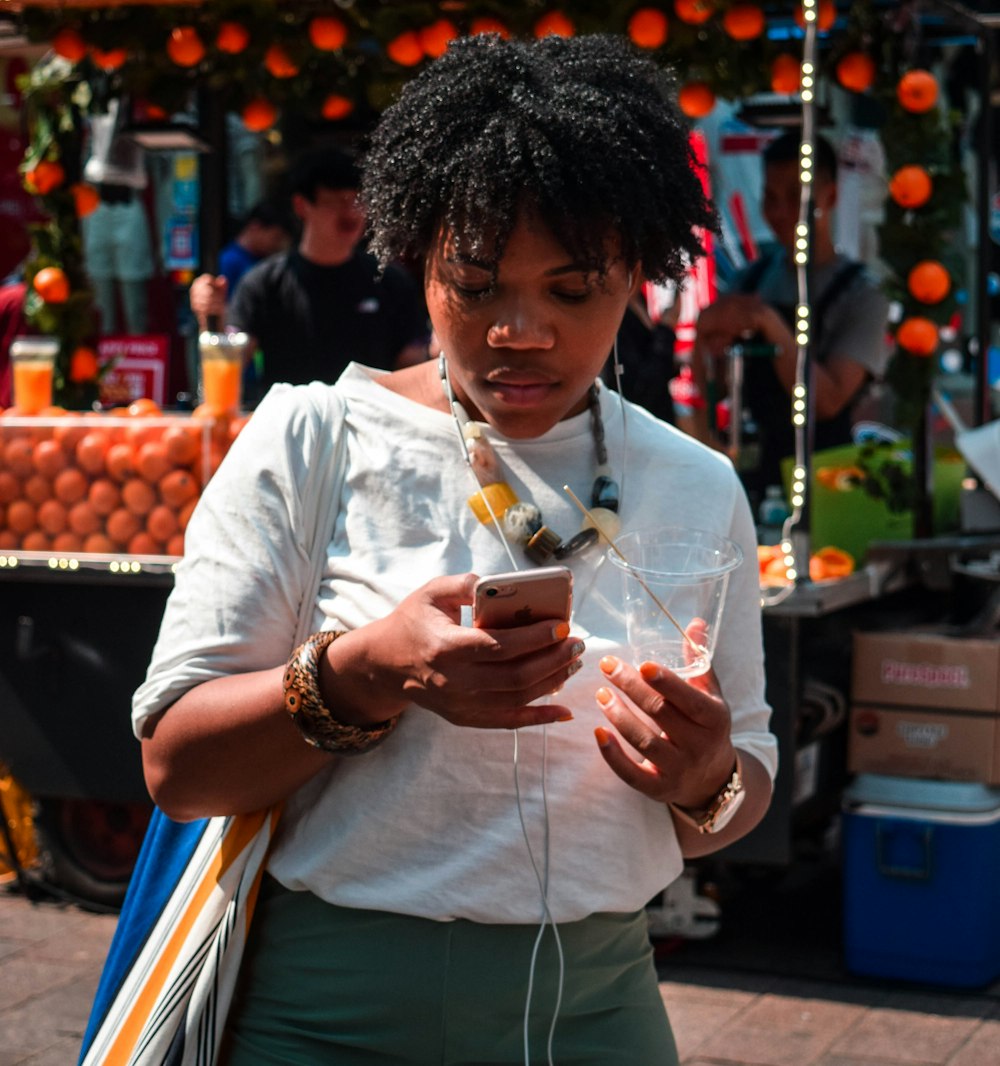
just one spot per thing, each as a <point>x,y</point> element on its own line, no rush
<point>428,822</point>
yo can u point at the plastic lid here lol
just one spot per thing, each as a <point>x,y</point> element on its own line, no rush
<point>921,792</point>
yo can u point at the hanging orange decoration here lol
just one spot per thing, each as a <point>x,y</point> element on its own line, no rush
<point>694,12</point>
<point>405,49</point>
<point>259,114</point>
<point>434,39</point>
<point>45,177</point>
<point>826,16</point>
<point>108,59</point>
<point>929,282</point>
<point>327,33</point>
<point>52,285</point>
<point>485,24</point>
<point>85,199</point>
<point>919,336</point>
<point>743,22</point>
<point>336,107</point>
<point>856,72</point>
<point>786,74</point>
<point>278,62</point>
<point>648,27</point>
<point>69,44</point>
<point>555,23</point>
<point>232,38</point>
<point>696,99</point>
<point>185,47</point>
<point>917,91</point>
<point>911,187</point>
<point>83,365</point>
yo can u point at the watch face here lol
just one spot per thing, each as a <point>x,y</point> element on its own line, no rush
<point>723,813</point>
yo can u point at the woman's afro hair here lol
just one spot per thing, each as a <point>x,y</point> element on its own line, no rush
<point>583,132</point>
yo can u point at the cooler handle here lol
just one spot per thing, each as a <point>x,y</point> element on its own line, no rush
<point>918,870</point>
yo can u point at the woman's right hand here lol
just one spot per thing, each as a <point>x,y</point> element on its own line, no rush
<point>421,653</point>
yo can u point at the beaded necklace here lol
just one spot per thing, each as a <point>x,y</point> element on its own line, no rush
<point>496,502</point>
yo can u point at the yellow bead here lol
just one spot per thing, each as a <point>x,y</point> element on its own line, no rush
<point>607,523</point>
<point>500,496</point>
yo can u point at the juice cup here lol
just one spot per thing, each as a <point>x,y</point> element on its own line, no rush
<point>222,356</point>
<point>33,360</point>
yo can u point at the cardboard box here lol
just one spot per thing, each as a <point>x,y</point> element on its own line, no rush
<point>925,705</point>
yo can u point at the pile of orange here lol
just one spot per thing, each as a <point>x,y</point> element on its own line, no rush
<point>122,483</point>
<point>825,564</point>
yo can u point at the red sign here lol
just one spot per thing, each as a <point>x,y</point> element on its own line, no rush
<point>138,368</point>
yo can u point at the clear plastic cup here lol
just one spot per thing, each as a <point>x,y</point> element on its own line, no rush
<point>222,358</point>
<point>33,361</point>
<point>674,584</point>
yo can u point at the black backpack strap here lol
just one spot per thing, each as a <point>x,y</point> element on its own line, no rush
<point>840,283</point>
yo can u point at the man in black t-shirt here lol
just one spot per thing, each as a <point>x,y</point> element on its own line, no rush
<point>316,309</point>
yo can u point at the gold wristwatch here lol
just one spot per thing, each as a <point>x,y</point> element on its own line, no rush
<point>721,810</point>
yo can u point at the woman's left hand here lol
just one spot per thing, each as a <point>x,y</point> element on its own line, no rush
<point>681,750</point>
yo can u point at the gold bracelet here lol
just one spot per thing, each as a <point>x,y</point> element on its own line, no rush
<point>304,702</point>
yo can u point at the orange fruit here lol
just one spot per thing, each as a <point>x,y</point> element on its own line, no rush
<point>648,27</point>
<point>48,458</point>
<point>52,285</point>
<point>69,485</point>
<point>185,47</point>
<point>856,72</point>
<point>98,544</point>
<point>143,544</point>
<point>555,23</point>
<point>929,282</point>
<point>104,496</point>
<point>10,487</point>
<point>278,62</point>
<point>232,38</point>
<point>9,540</point>
<point>219,423</point>
<point>37,489</point>
<point>36,541</point>
<point>919,336</point>
<point>236,425</point>
<point>108,58</point>
<point>152,461</point>
<point>786,74</point>
<point>405,49</point>
<point>138,496</point>
<point>92,449</point>
<point>694,12</point>
<point>435,38</point>
<point>21,516</point>
<point>85,199</point>
<point>696,99</point>
<point>917,91</point>
<point>485,24</point>
<point>52,517</point>
<point>67,542</point>
<point>175,546</point>
<point>826,16</point>
<point>177,487</point>
<point>143,407</point>
<point>327,33</point>
<point>119,461</point>
<point>69,44</point>
<point>121,526</point>
<point>184,514</point>
<point>743,22</point>
<point>182,443</point>
<point>83,365</point>
<point>161,523</point>
<point>827,563</point>
<point>911,186</point>
<point>259,114</point>
<point>83,519</point>
<point>45,177</point>
<point>337,107</point>
<point>17,457</point>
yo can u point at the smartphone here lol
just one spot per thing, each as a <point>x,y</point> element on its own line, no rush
<point>522,597</point>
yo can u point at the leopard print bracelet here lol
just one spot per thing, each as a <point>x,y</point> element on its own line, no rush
<point>304,703</point>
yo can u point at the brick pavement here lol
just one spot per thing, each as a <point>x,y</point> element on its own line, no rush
<point>51,954</point>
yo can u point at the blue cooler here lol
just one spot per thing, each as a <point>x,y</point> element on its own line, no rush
<point>921,867</point>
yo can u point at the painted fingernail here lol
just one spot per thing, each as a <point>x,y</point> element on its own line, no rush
<point>578,648</point>
<point>649,671</point>
<point>604,696</point>
<point>602,735</point>
<point>565,717</point>
<point>608,664</point>
<point>560,631</point>
<point>573,667</point>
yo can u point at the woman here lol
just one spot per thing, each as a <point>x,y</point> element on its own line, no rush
<point>498,778</point>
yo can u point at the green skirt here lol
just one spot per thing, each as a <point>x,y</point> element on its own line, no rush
<point>334,986</point>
